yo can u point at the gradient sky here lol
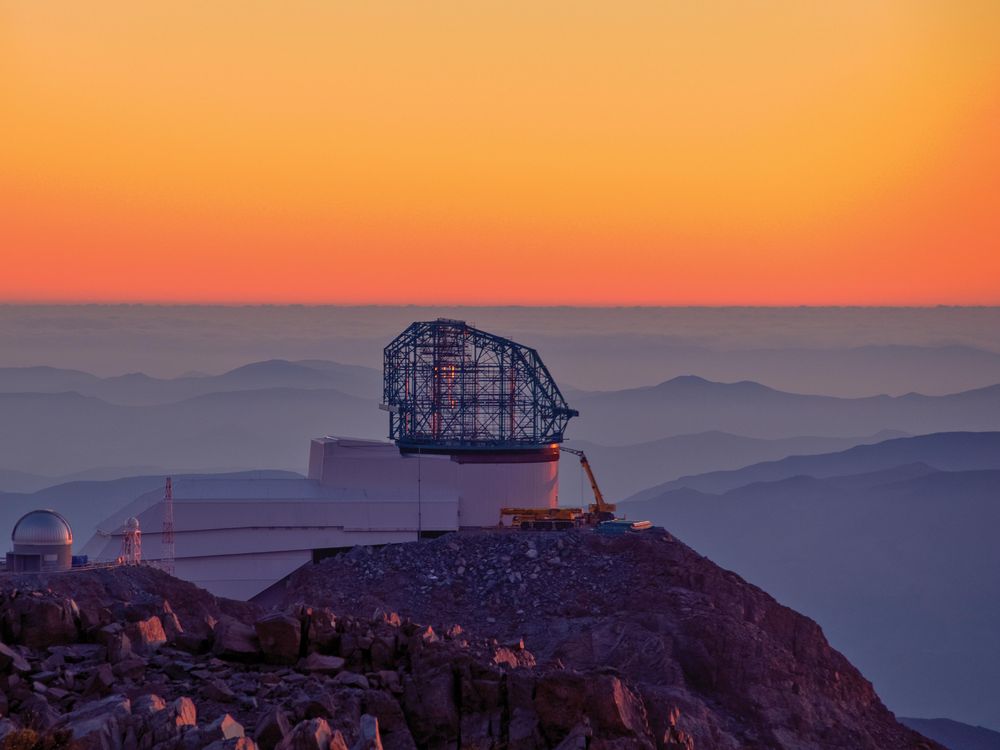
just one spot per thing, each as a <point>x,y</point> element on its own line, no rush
<point>651,152</point>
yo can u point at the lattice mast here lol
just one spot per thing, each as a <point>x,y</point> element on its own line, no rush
<point>131,543</point>
<point>167,557</point>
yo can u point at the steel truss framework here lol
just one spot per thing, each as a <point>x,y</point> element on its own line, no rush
<point>448,385</point>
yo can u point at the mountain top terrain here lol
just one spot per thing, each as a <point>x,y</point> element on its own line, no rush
<point>693,641</point>
<point>484,640</point>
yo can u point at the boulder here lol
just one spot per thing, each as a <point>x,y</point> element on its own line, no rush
<point>223,728</point>
<point>614,709</point>
<point>171,623</point>
<point>101,681</point>
<point>321,663</point>
<point>146,635</point>
<point>116,642</point>
<point>218,691</point>
<point>12,661</point>
<point>280,637</point>
<point>322,630</point>
<point>352,679</point>
<point>312,734</point>
<point>429,705</point>
<point>184,712</point>
<point>100,724</point>
<point>235,641</point>
<point>394,733</point>
<point>368,734</point>
<point>272,727</point>
<point>39,622</point>
<point>147,705</point>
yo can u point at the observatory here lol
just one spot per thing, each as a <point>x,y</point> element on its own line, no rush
<point>451,388</point>
<point>475,422</point>
<point>42,540</point>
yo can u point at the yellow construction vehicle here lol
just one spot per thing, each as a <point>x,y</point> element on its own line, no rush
<point>542,519</point>
<point>560,519</point>
<point>599,510</point>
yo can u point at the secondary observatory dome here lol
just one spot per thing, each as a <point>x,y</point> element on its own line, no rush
<point>42,527</point>
<point>42,540</point>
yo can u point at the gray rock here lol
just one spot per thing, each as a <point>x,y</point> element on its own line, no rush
<point>100,681</point>
<point>217,690</point>
<point>368,734</point>
<point>235,641</point>
<point>280,636</point>
<point>312,734</point>
<point>185,712</point>
<point>146,635</point>
<point>12,661</point>
<point>321,664</point>
<point>352,679</point>
<point>223,728</point>
<point>99,725</point>
<point>272,727</point>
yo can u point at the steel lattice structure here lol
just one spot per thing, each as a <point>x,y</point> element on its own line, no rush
<point>449,386</point>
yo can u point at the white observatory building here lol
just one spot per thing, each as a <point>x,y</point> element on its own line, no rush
<point>42,541</point>
<point>475,421</point>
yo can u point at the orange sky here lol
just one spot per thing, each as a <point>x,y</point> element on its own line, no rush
<point>653,152</point>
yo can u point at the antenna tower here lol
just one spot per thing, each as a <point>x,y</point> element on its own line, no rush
<point>167,561</point>
<point>131,543</point>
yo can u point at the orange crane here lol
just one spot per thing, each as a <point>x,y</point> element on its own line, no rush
<point>559,519</point>
<point>599,510</point>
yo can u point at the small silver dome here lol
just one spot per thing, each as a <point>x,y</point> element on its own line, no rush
<point>132,524</point>
<point>42,527</point>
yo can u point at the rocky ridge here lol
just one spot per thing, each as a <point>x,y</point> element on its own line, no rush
<point>483,640</point>
<point>707,656</point>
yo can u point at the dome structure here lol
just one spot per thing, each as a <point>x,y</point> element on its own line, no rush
<point>42,527</point>
<point>43,540</point>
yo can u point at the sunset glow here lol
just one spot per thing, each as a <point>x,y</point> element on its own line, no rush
<point>501,152</point>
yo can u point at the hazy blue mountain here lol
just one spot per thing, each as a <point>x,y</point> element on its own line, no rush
<point>624,470</point>
<point>594,361</point>
<point>85,503</point>
<point>43,379</point>
<point>949,451</point>
<point>833,350</point>
<point>691,404</point>
<point>898,563</point>
<point>12,480</point>
<point>22,482</point>
<point>955,735</point>
<point>60,433</point>
<point>141,389</point>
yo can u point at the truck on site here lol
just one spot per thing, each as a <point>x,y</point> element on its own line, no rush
<point>598,514</point>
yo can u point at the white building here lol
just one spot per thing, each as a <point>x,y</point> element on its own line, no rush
<point>237,538</point>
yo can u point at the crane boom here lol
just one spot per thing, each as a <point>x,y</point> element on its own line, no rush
<point>599,506</point>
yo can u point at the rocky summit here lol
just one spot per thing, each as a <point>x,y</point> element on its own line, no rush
<point>480,640</point>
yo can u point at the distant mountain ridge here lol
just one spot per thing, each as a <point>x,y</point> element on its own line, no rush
<point>139,389</point>
<point>625,470</point>
<point>691,404</point>
<point>60,433</point>
<point>945,451</point>
<point>955,735</point>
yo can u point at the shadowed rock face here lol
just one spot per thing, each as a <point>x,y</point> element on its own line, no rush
<point>703,652</point>
<point>526,641</point>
